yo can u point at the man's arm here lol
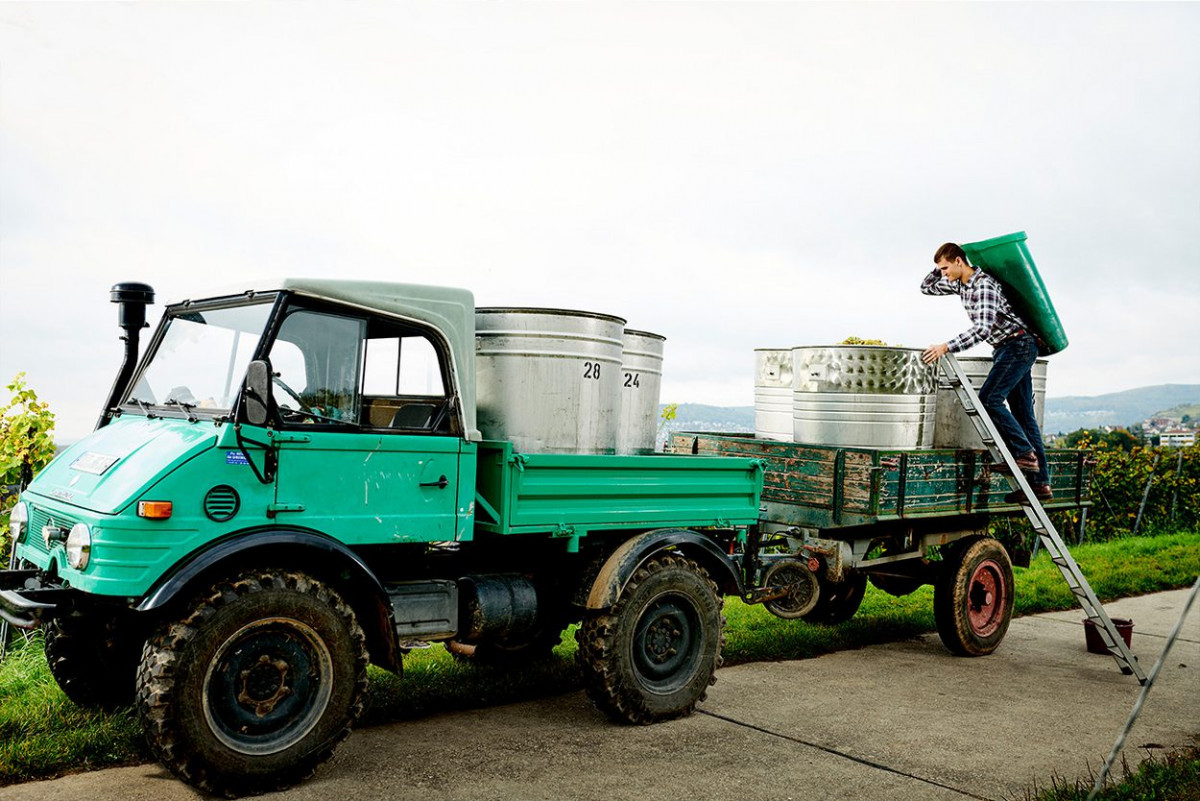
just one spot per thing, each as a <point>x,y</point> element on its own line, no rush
<point>935,284</point>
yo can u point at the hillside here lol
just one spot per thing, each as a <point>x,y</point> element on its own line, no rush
<point>1117,408</point>
<point>1063,415</point>
<point>698,417</point>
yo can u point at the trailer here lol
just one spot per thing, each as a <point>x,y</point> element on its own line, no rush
<point>839,517</point>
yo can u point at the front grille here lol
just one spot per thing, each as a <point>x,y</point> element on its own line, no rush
<point>39,519</point>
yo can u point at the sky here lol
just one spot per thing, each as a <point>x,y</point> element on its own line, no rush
<point>729,175</point>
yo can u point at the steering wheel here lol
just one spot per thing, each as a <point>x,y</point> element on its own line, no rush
<point>293,394</point>
<point>440,414</point>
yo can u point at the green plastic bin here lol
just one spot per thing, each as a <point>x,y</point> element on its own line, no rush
<point>1007,259</point>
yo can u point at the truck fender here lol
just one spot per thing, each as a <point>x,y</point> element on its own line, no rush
<point>624,562</point>
<point>301,549</point>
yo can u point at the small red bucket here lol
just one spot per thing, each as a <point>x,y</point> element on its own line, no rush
<point>1095,645</point>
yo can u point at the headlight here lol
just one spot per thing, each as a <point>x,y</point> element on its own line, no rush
<point>18,521</point>
<point>79,546</point>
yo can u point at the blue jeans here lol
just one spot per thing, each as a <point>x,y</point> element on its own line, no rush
<point>1011,380</point>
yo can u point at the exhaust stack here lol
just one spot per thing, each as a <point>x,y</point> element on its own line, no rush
<point>131,316</point>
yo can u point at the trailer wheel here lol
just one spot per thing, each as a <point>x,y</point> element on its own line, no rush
<point>805,588</point>
<point>255,685</point>
<point>93,661</point>
<point>973,597</point>
<point>652,656</point>
<point>838,600</point>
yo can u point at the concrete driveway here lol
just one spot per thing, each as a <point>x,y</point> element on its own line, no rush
<point>899,721</point>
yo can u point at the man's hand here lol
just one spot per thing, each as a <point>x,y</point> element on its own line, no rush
<point>935,352</point>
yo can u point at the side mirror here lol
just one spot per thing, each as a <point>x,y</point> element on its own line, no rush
<point>256,393</point>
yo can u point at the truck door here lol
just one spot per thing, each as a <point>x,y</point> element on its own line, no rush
<point>369,448</point>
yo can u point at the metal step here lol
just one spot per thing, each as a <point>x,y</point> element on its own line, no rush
<point>1040,519</point>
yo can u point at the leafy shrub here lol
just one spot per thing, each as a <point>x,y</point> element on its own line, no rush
<point>26,446</point>
<point>1119,484</point>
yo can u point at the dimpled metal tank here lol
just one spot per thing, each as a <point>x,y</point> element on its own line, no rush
<point>774,388</point>
<point>548,379</point>
<point>863,396</point>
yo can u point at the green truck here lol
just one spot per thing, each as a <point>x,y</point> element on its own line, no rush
<point>256,518</point>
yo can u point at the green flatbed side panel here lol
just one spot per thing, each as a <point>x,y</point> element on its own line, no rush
<point>795,474</point>
<point>828,487</point>
<point>568,493</point>
<point>960,482</point>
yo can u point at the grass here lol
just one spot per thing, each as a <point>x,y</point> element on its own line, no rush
<point>43,734</point>
<point>1173,777</point>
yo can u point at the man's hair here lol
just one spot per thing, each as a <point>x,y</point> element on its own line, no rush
<point>949,251</point>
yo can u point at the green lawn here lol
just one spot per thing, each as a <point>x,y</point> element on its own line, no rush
<point>42,734</point>
<point>1174,777</point>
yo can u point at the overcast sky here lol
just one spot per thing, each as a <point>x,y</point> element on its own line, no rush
<point>730,175</point>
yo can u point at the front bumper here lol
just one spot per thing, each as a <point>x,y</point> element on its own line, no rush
<point>27,601</point>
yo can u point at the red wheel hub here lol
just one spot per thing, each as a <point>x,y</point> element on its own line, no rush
<point>986,598</point>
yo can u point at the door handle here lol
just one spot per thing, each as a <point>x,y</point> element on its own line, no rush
<point>441,483</point>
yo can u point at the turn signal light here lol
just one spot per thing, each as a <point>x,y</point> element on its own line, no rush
<point>154,510</point>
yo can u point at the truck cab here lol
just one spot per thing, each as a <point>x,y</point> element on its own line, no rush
<point>174,469</point>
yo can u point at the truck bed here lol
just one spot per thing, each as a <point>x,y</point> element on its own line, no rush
<point>825,487</point>
<point>570,495</point>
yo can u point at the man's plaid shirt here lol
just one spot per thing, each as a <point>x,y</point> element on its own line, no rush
<point>992,318</point>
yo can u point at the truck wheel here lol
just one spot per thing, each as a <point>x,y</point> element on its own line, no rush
<point>654,654</point>
<point>255,685</point>
<point>838,600</point>
<point>973,597</point>
<point>92,660</point>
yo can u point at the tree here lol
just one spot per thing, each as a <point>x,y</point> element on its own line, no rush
<point>1120,438</point>
<point>1083,438</point>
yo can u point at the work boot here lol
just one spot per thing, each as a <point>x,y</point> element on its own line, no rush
<point>1040,491</point>
<point>1028,464</point>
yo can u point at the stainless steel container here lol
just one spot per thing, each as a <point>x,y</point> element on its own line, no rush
<point>953,428</point>
<point>641,385</point>
<point>863,396</point>
<point>774,388</point>
<point>548,379</point>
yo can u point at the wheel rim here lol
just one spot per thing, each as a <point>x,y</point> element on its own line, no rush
<point>267,686</point>
<point>667,643</point>
<point>804,596</point>
<point>986,598</point>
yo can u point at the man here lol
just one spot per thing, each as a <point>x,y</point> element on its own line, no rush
<point>1010,379</point>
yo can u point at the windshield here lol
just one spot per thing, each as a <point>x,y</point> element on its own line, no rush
<point>202,357</point>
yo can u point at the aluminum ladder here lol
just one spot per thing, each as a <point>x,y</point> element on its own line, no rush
<point>1040,520</point>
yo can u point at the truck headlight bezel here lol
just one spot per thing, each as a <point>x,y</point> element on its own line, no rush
<point>18,522</point>
<point>79,546</point>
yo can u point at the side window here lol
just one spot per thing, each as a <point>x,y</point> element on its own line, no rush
<point>316,360</point>
<point>403,384</point>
